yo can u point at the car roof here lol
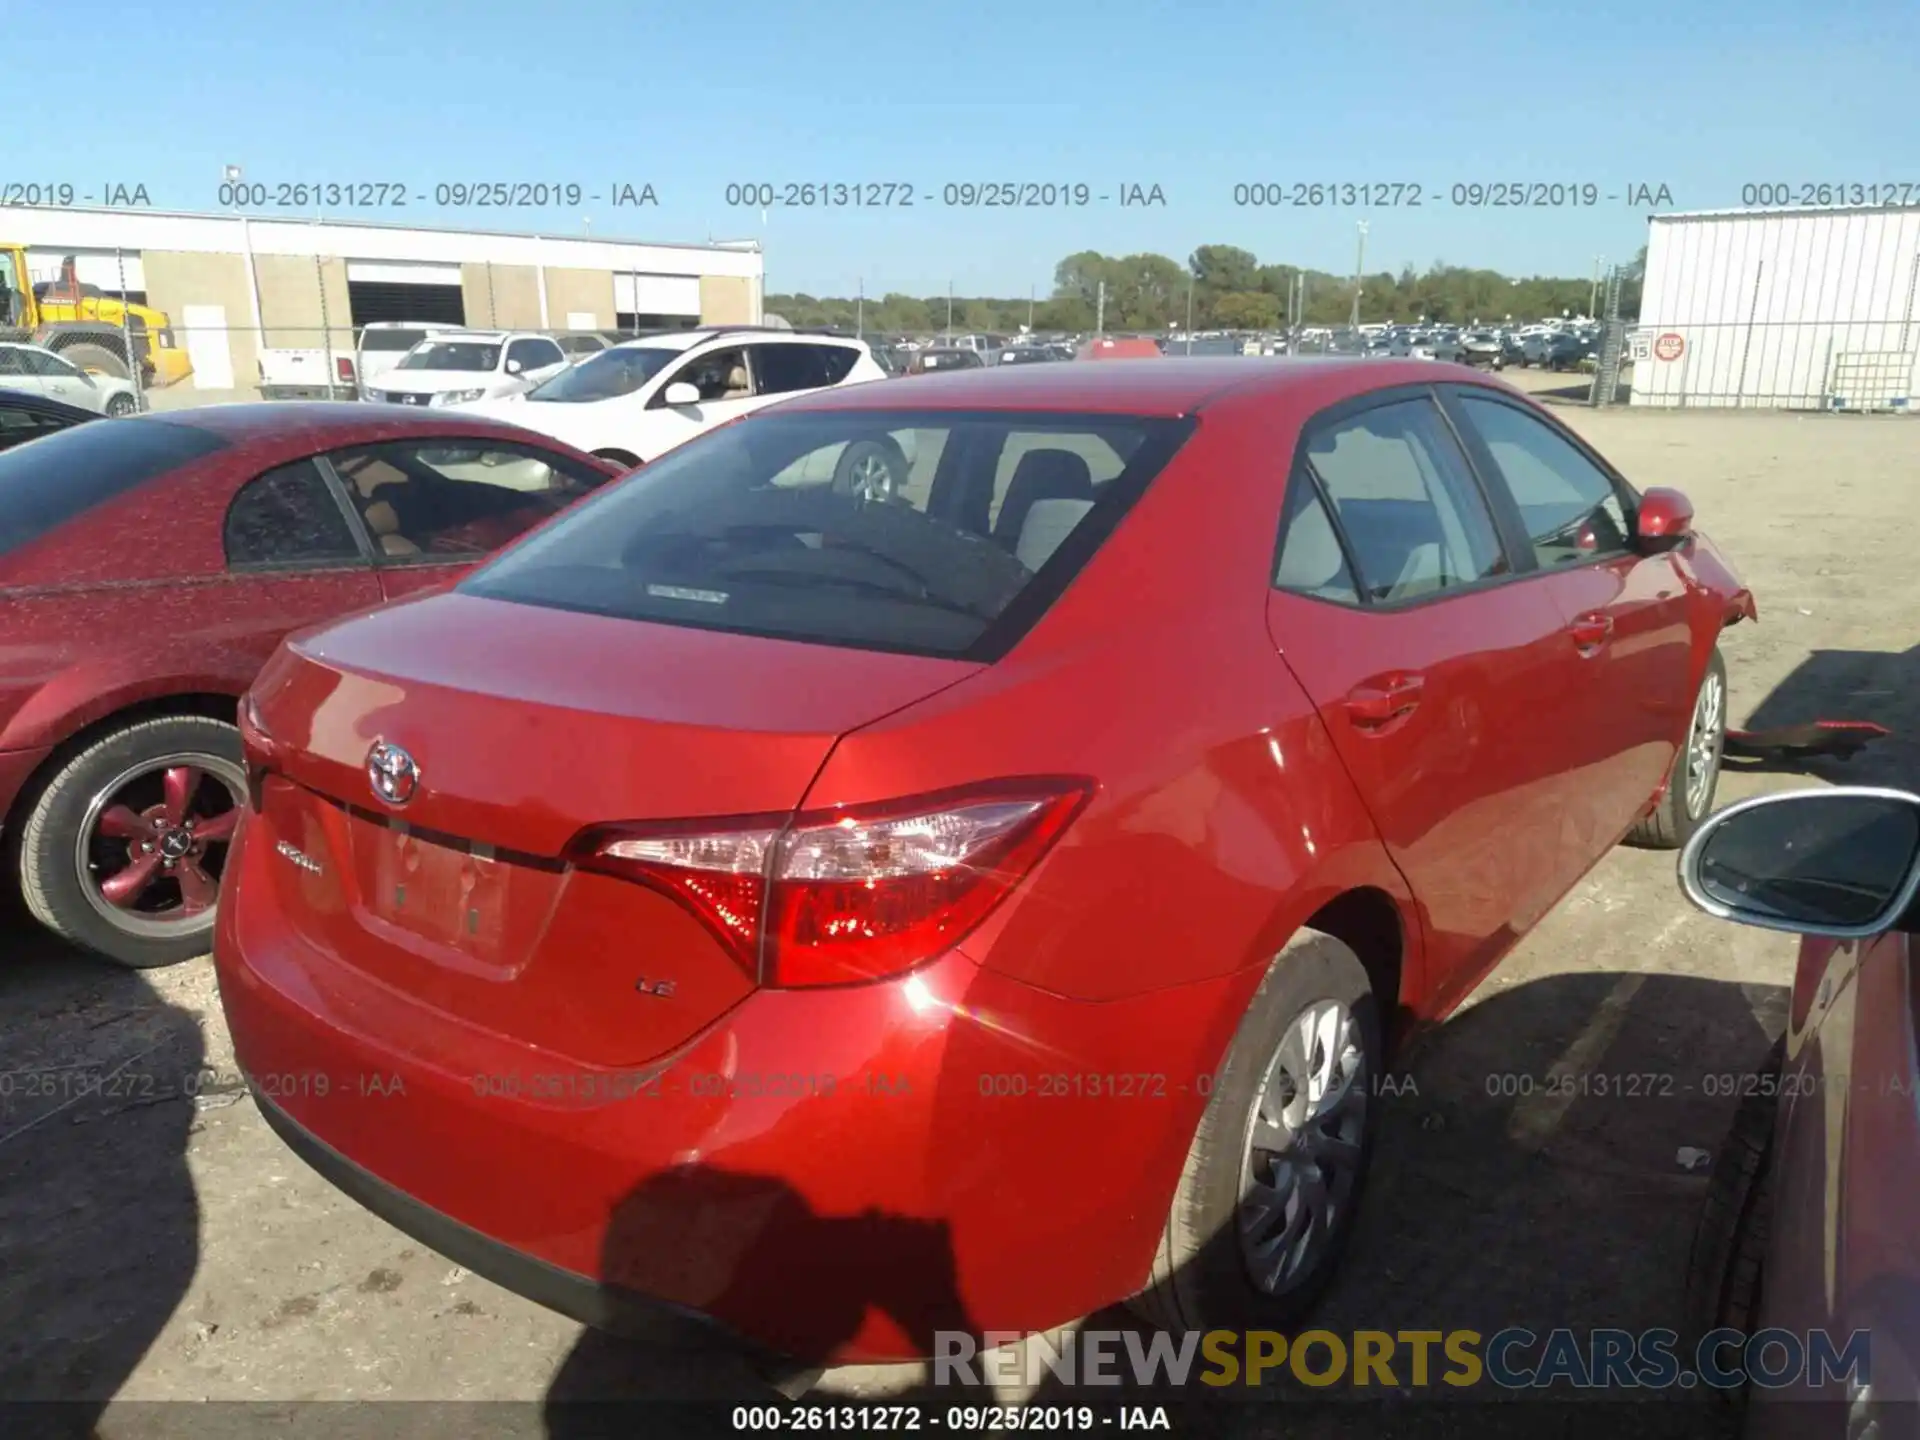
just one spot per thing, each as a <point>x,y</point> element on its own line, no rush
<point>246,421</point>
<point>687,339</point>
<point>1164,387</point>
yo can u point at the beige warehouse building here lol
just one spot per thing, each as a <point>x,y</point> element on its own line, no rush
<point>232,285</point>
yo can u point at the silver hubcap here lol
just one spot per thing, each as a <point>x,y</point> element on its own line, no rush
<point>872,476</point>
<point>1302,1156</point>
<point>1703,742</point>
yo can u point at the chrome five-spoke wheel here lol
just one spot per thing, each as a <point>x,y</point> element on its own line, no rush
<point>125,840</point>
<point>152,846</point>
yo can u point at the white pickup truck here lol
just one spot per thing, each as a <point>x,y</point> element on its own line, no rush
<point>310,374</point>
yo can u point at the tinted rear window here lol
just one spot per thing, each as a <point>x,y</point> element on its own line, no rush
<point>391,339</point>
<point>937,533</point>
<point>49,481</point>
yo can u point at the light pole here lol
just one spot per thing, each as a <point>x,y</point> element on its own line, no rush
<point>1359,268</point>
<point>1593,295</point>
<point>1189,312</point>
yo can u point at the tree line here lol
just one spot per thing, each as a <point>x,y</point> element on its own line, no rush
<point>1229,289</point>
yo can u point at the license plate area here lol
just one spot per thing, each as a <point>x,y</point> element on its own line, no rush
<point>458,900</point>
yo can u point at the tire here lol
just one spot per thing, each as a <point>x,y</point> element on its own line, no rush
<point>1202,1279</point>
<point>97,358</point>
<point>1674,819</point>
<point>71,845</point>
<point>1725,1266</point>
<point>121,405</point>
<point>874,469</point>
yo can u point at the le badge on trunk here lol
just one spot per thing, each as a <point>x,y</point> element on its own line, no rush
<point>392,773</point>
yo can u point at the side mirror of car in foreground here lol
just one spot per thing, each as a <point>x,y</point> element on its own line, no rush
<point>1842,862</point>
<point>1665,520</point>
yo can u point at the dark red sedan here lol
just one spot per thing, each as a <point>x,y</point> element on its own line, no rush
<point>149,566</point>
<point>852,912</point>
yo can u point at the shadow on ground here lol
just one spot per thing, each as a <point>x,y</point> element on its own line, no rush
<point>99,1224</point>
<point>1881,686</point>
<point>1529,1173</point>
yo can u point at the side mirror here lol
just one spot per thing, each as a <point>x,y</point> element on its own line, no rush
<point>1665,521</point>
<point>681,393</point>
<point>514,367</point>
<point>1841,862</point>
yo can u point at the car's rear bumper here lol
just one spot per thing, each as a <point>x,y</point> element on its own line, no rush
<point>605,1307</point>
<point>15,768</point>
<point>835,1174</point>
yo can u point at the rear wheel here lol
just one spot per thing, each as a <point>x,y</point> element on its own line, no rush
<point>122,853</point>
<point>120,405</point>
<point>871,469</point>
<point>1688,796</point>
<point>97,359</point>
<point>1273,1181</point>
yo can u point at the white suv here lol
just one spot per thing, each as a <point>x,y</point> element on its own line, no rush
<point>643,397</point>
<point>459,366</point>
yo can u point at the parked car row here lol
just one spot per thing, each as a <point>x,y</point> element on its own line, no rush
<point>381,346</point>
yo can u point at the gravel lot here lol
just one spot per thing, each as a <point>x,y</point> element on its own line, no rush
<point>154,1246</point>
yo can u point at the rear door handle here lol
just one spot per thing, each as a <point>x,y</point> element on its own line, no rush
<point>1591,633</point>
<point>1373,703</point>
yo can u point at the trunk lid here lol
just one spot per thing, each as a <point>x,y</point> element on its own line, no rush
<point>527,725</point>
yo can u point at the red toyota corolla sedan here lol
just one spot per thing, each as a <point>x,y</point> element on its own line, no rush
<point>149,566</point>
<point>972,894</point>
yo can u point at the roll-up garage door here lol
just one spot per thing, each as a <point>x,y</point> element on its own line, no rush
<point>404,290</point>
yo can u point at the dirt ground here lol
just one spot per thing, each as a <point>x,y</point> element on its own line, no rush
<point>156,1245</point>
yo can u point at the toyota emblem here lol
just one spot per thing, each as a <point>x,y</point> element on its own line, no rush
<point>392,773</point>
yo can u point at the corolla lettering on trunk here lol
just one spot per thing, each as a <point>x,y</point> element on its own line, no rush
<point>299,857</point>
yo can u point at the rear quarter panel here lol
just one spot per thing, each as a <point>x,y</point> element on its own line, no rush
<point>69,659</point>
<point>1223,817</point>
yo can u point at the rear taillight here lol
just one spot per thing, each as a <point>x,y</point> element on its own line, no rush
<point>256,748</point>
<point>844,896</point>
<point>343,367</point>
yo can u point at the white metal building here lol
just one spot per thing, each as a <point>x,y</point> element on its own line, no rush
<point>1785,309</point>
<point>233,285</point>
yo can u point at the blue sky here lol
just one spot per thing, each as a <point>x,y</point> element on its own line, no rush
<point>1194,97</point>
